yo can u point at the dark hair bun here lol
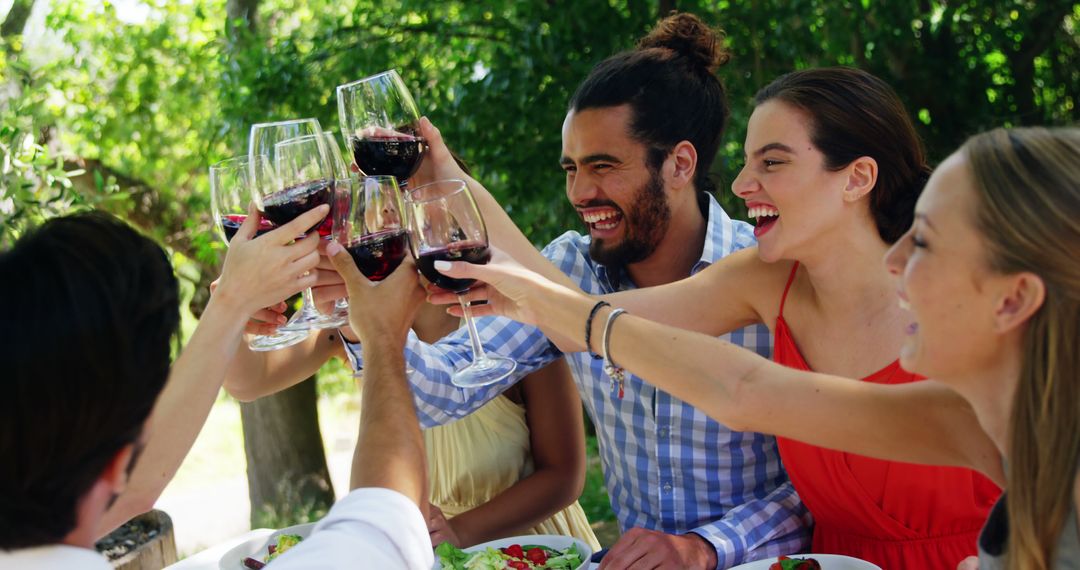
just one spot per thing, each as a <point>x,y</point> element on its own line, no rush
<point>688,36</point>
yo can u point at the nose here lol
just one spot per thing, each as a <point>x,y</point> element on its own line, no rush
<point>581,188</point>
<point>743,185</point>
<point>897,256</point>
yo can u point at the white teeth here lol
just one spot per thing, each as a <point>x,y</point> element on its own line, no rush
<point>762,212</point>
<point>594,217</point>
<point>905,305</point>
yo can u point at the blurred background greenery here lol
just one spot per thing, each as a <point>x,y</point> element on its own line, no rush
<point>123,105</point>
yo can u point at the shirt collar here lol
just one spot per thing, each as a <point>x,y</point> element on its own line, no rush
<point>719,241</point>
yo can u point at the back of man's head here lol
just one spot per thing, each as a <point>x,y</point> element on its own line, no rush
<point>670,83</point>
<point>90,306</point>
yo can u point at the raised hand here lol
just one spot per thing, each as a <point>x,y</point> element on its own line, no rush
<point>509,289</point>
<point>379,310</point>
<point>260,273</point>
<point>329,286</point>
<point>264,321</point>
<point>439,163</point>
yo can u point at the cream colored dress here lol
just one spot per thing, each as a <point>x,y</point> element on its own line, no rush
<point>475,458</point>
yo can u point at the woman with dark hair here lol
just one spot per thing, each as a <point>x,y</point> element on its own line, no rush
<point>990,293</point>
<point>833,170</point>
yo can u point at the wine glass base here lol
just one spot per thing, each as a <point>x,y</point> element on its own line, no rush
<point>276,341</point>
<point>307,319</point>
<point>489,370</point>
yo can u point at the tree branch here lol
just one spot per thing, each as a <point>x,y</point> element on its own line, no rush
<point>16,18</point>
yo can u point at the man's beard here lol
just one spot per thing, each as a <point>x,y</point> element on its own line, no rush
<point>646,224</point>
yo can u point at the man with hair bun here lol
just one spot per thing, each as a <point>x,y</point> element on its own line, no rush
<point>639,137</point>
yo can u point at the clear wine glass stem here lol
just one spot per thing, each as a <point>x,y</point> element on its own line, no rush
<point>474,337</point>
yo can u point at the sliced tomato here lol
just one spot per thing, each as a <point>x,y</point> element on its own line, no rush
<point>537,556</point>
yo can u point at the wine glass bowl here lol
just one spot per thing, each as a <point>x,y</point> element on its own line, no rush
<point>298,151</point>
<point>371,228</point>
<point>301,165</point>
<point>445,225</point>
<point>380,124</point>
<point>232,181</point>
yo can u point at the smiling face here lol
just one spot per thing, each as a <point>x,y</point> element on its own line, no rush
<point>788,191</point>
<point>608,181</point>
<point>945,282</point>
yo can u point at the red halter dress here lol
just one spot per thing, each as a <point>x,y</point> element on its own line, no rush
<point>899,516</point>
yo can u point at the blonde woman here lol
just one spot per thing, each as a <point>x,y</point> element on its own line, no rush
<point>988,274</point>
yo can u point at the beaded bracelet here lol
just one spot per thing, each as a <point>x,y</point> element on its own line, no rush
<point>617,374</point>
<point>588,327</point>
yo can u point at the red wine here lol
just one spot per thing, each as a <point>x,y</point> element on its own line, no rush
<point>398,156</point>
<point>285,205</point>
<point>378,255</point>
<point>470,251</point>
<point>231,223</point>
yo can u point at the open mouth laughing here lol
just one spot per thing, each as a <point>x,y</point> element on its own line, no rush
<point>602,220</point>
<point>764,216</point>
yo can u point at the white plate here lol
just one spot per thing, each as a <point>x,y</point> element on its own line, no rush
<point>827,561</point>
<point>256,547</point>
<point>555,541</point>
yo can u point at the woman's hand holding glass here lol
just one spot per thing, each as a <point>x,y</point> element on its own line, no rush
<point>509,289</point>
<point>259,273</point>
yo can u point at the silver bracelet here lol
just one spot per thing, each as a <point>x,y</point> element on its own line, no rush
<point>617,374</point>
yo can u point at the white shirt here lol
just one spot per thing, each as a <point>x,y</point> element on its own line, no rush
<point>53,556</point>
<point>368,528</point>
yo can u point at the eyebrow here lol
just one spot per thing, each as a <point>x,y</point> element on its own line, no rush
<point>590,159</point>
<point>774,146</point>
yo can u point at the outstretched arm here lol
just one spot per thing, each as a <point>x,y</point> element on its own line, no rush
<point>257,273</point>
<point>389,450</point>
<point>921,422</point>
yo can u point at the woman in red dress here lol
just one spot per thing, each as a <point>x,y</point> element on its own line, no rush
<point>833,169</point>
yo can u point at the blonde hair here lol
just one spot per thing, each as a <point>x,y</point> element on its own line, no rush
<point>1028,185</point>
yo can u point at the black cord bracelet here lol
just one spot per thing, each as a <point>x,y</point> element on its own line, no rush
<point>588,328</point>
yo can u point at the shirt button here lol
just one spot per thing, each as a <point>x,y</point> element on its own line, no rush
<point>667,487</point>
<point>663,432</point>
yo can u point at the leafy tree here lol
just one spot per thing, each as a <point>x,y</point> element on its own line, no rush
<point>137,110</point>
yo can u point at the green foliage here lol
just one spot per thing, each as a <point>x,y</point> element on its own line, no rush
<point>154,103</point>
<point>34,182</point>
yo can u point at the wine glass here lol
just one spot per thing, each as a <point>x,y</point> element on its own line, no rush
<point>231,182</point>
<point>380,124</point>
<point>304,169</point>
<point>263,141</point>
<point>445,225</point>
<point>371,228</point>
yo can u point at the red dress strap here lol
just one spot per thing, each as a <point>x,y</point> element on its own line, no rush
<point>790,280</point>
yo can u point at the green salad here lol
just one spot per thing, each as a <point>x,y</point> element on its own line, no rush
<point>515,557</point>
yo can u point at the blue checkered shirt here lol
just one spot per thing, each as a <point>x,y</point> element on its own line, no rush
<point>667,465</point>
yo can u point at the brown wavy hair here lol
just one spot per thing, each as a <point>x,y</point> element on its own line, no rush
<point>854,114</point>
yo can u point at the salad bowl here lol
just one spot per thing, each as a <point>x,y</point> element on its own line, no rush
<point>489,560</point>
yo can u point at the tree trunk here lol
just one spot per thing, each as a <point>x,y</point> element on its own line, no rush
<point>240,11</point>
<point>16,18</point>
<point>288,482</point>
